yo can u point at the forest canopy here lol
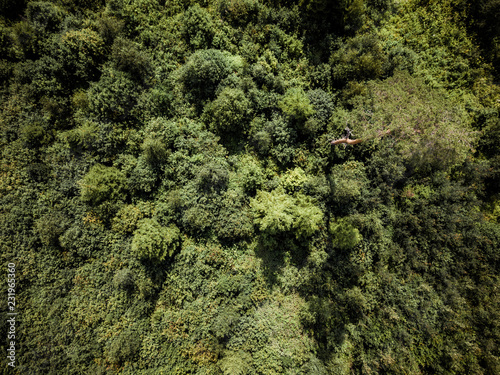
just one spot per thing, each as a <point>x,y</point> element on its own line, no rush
<point>258,187</point>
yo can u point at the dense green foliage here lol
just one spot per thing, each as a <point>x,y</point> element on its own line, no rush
<point>173,205</point>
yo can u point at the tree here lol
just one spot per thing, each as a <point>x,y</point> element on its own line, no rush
<point>155,242</point>
<point>102,184</point>
<point>45,16</point>
<point>113,97</point>
<point>229,113</point>
<point>276,212</point>
<point>429,127</point>
<point>344,234</point>
<point>197,27</point>
<point>128,57</point>
<point>295,103</point>
<point>357,59</point>
<point>82,51</point>
<point>205,69</point>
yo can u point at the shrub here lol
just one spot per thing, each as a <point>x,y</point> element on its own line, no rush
<point>102,184</point>
<point>276,212</point>
<point>155,242</point>
<point>344,235</point>
<point>44,15</point>
<point>197,27</point>
<point>229,113</point>
<point>205,69</point>
<point>82,53</point>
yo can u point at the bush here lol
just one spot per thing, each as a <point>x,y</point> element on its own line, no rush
<point>44,15</point>
<point>197,27</point>
<point>229,113</point>
<point>276,212</point>
<point>102,184</point>
<point>113,97</point>
<point>205,69</point>
<point>155,242</point>
<point>82,52</point>
<point>295,103</point>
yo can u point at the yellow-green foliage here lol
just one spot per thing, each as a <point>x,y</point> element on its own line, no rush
<point>348,181</point>
<point>277,212</point>
<point>437,33</point>
<point>295,103</point>
<point>293,180</point>
<point>83,50</point>
<point>430,128</point>
<point>128,216</point>
<point>229,113</point>
<point>344,234</point>
<point>102,184</point>
<point>250,174</point>
<point>155,242</point>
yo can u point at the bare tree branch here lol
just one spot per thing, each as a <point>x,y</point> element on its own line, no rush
<point>348,141</point>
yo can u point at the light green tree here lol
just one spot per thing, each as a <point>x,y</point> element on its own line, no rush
<point>101,184</point>
<point>295,103</point>
<point>153,241</point>
<point>276,212</point>
<point>429,127</point>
